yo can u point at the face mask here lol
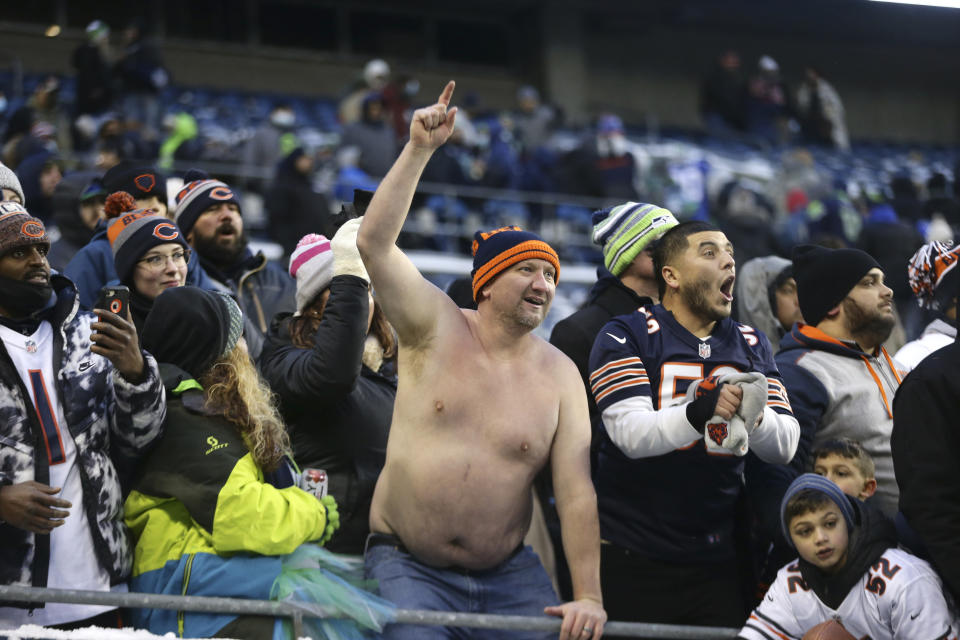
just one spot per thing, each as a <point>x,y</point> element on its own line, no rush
<point>3,104</point>
<point>22,299</point>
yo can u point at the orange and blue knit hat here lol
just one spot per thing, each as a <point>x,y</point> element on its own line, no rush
<point>19,229</point>
<point>494,251</point>
<point>933,274</point>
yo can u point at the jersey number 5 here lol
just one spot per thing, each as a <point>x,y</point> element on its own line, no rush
<point>672,374</point>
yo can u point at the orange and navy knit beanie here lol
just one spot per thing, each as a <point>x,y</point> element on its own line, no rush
<point>132,232</point>
<point>933,274</point>
<point>494,251</point>
<point>19,229</point>
<point>199,194</point>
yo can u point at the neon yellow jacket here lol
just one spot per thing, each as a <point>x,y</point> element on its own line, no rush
<point>205,518</point>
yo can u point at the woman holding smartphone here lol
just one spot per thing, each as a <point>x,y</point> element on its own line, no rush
<point>150,253</point>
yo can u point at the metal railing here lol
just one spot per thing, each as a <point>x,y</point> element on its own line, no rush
<point>297,611</point>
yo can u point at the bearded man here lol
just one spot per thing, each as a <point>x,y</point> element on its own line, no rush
<point>208,213</point>
<point>684,392</point>
<point>840,379</point>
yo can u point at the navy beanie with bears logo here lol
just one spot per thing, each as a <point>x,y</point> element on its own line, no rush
<point>198,194</point>
<point>139,181</point>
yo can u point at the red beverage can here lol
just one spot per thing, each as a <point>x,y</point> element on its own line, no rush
<point>314,481</point>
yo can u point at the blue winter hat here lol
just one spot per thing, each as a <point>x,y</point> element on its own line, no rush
<point>825,486</point>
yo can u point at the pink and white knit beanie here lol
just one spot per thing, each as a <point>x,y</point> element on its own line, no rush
<point>311,263</point>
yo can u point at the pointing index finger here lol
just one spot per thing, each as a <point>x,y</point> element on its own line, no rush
<point>444,98</point>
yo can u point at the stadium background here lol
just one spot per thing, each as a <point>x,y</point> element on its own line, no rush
<point>894,67</point>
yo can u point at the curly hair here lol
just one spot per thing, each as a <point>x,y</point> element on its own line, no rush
<point>234,389</point>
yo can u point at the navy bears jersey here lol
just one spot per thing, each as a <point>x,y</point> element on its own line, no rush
<point>661,491</point>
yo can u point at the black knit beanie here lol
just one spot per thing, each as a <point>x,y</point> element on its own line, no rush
<point>825,277</point>
<point>191,328</point>
<point>139,181</point>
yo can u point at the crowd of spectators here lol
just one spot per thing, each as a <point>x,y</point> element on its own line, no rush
<point>721,353</point>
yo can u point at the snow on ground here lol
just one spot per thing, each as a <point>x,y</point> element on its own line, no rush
<point>34,632</point>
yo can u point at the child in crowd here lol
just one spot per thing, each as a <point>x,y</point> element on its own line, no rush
<point>849,570</point>
<point>846,463</point>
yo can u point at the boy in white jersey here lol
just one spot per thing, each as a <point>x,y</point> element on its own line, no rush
<point>849,570</point>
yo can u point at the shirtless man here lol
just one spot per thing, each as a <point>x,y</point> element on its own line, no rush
<point>482,405</point>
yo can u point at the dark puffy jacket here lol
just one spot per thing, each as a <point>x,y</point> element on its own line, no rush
<point>104,414</point>
<point>337,410</point>
<point>262,289</point>
<point>574,335</point>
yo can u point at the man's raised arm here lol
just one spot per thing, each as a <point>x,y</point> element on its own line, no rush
<point>410,301</point>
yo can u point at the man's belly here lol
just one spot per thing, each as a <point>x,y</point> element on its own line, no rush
<point>470,513</point>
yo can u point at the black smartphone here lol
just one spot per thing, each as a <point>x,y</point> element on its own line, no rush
<point>114,298</point>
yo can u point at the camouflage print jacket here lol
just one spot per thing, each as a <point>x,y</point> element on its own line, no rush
<point>107,417</point>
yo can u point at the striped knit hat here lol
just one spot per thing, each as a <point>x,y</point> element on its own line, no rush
<point>495,251</point>
<point>196,197</point>
<point>9,180</point>
<point>133,233</point>
<point>627,229</point>
<point>19,229</point>
<point>822,485</point>
<point>932,270</point>
<point>311,263</point>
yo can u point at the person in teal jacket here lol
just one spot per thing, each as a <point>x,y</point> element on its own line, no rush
<point>217,507</point>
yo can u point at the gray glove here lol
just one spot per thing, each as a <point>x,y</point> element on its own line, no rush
<point>730,435</point>
<point>754,387</point>
<point>346,256</point>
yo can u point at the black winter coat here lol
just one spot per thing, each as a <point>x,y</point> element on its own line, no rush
<point>926,452</point>
<point>574,335</point>
<point>337,410</point>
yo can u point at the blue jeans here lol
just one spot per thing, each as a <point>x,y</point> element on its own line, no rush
<point>517,586</point>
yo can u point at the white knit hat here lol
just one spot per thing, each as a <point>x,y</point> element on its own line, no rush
<point>311,263</point>
<point>9,180</point>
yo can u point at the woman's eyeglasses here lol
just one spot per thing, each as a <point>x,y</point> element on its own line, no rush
<point>158,262</point>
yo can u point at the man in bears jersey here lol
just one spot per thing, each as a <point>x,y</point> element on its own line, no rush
<point>684,392</point>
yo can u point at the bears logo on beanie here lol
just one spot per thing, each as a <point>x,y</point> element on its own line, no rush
<point>133,232</point>
<point>311,263</point>
<point>825,277</point>
<point>494,251</point>
<point>826,486</point>
<point>197,196</point>
<point>140,182</point>
<point>627,229</point>
<point>19,229</point>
